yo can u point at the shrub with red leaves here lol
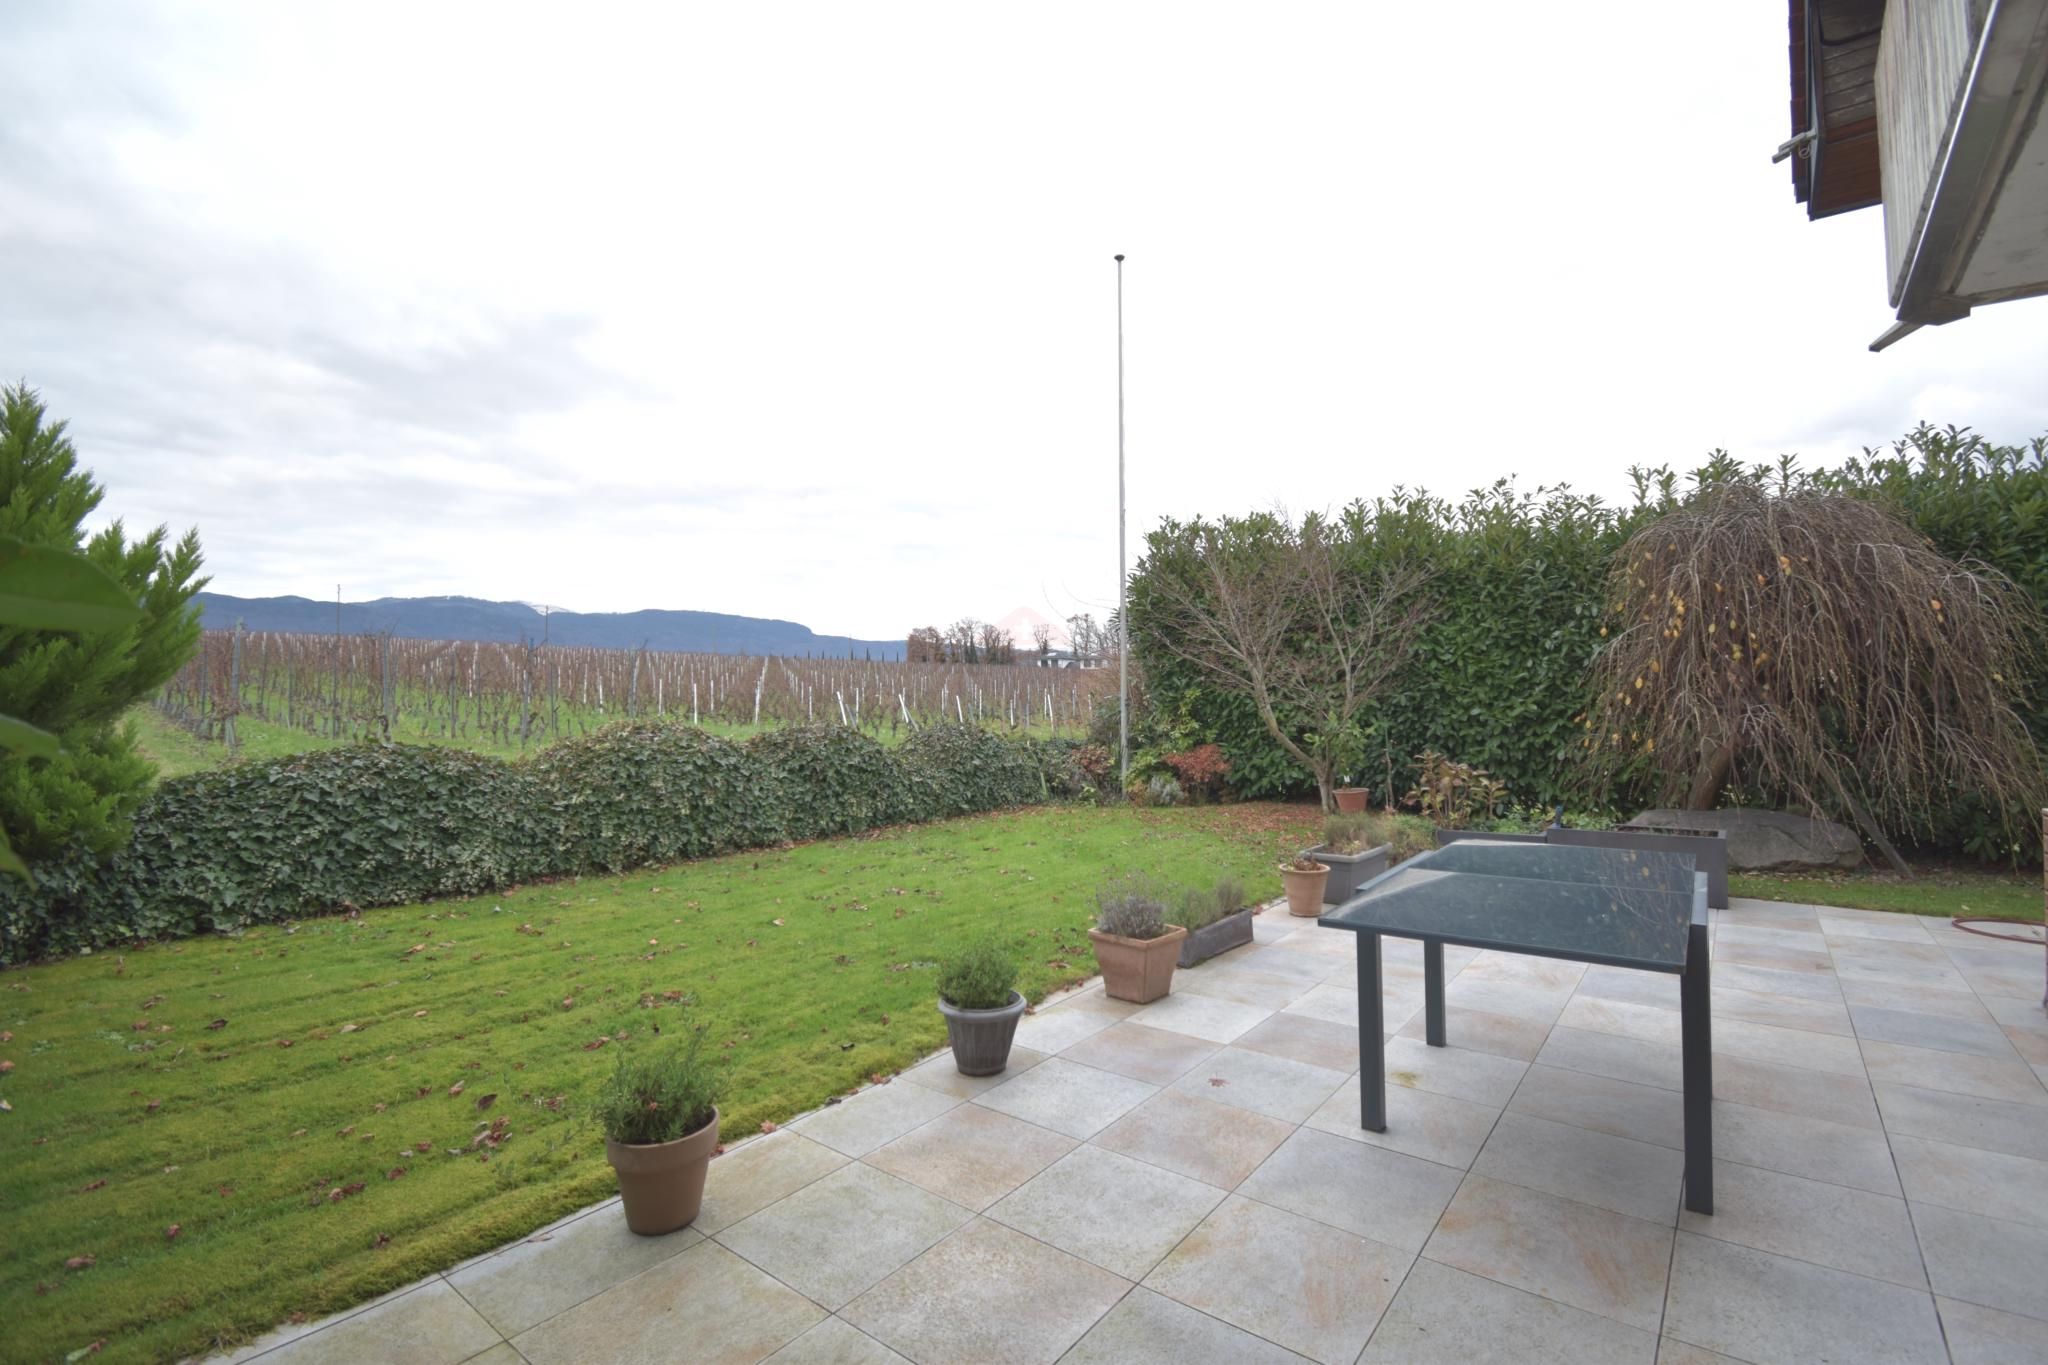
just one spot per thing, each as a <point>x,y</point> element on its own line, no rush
<point>1201,770</point>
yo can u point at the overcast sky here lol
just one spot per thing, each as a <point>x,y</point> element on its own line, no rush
<point>808,310</point>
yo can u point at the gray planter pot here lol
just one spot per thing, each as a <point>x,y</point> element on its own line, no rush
<point>1349,871</point>
<point>1232,931</point>
<point>981,1038</point>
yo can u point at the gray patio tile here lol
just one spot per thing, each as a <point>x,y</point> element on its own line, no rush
<point>987,1294</point>
<point>1504,1035</point>
<point>1306,1039</point>
<point>1795,1090</point>
<point>1108,1209</point>
<point>1549,972</point>
<point>1611,1055</point>
<point>1572,1253</point>
<point>1068,1098</point>
<point>971,1155</point>
<point>1890,995</point>
<point>1434,1127</point>
<point>1459,1072</point>
<point>1211,1142</point>
<point>1809,1220</point>
<point>1299,958</point>
<point>1093,998</point>
<point>835,1238</point>
<point>1990,1183</point>
<point>1778,914</point>
<point>1756,1306</point>
<point>726,1309</point>
<point>1054,1030</point>
<point>1646,1113</point>
<point>836,1342</point>
<point>942,1075</point>
<point>1985,1336</point>
<point>1994,1078</point>
<point>881,1113</point>
<point>502,1354</point>
<point>1909,964</point>
<point>1672,1351</point>
<point>428,1325</point>
<point>751,1177</point>
<point>1774,956</point>
<point>1151,1329</point>
<point>1337,1003</point>
<point>1302,1284</point>
<point>1942,1033</point>
<point>1247,986</point>
<point>1872,924</point>
<point>1787,1046</point>
<point>1141,1052</point>
<point>1371,1191</point>
<point>1271,927</point>
<point>1202,1016</point>
<point>1520,999</point>
<point>1993,1262</point>
<point>532,1280</point>
<point>1659,989</point>
<point>1798,1145</point>
<point>1265,1084</point>
<point>2024,1025</point>
<point>1807,937</point>
<point>1784,1011</point>
<point>1445,1316</point>
<point>1623,1018</point>
<point>1805,984</point>
<point>1965,1120</point>
<point>1616,1173</point>
<point>2017,976</point>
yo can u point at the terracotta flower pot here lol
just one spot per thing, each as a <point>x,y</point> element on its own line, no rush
<point>1139,970</point>
<point>1304,889</point>
<point>1350,798</point>
<point>662,1183</point>
<point>981,1038</point>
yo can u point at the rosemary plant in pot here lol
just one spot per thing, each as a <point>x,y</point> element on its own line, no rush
<point>978,998</point>
<point>1134,945</point>
<point>1216,918</point>
<point>659,1112</point>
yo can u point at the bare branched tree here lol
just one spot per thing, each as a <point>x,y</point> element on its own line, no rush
<point>1041,635</point>
<point>1280,614</point>
<point>1811,645</point>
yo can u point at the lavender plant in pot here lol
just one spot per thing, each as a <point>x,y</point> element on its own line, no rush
<point>1134,945</point>
<point>1216,918</point>
<point>659,1113</point>
<point>978,998</point>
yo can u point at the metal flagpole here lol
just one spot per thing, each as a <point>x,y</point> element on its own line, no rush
<point>1123,624</point>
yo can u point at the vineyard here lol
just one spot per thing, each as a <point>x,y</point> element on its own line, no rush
<point>301,690</point>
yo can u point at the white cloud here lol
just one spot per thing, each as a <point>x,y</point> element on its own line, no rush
<point>805,311</point>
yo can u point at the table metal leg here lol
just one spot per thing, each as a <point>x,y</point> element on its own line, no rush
<point>1372,1040</point>
<point>1433,992</point>
<point>1695,999</point>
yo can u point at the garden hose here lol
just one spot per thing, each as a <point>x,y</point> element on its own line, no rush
<point>1963,922</point>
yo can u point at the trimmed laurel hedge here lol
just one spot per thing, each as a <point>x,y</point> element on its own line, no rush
<point>387,824</point>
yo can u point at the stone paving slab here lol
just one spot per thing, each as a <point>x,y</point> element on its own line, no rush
<point>1186,1182</point>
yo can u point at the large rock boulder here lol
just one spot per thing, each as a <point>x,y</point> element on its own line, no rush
<point>1764,839</point>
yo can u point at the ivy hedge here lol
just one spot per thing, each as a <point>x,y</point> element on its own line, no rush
<point>377,824</point>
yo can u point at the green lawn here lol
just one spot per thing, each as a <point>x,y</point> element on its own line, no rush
<point>237,1130</point>
<point>1932,891</point>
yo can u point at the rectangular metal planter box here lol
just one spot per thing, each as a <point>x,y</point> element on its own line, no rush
<point>1232,931</point>
<point>1349,871</point>
<point>1709,851</point>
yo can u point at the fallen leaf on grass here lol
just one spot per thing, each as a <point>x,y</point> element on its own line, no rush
<point>383,1240</point>
<point>423,1146</point>
<point>416,948</point>
<point>395,1173</point>
<point>484,1102</point>
<point>419,1014</point>
<point>152,1106</point>
<point>347,1028</point>
<point>171,1232</point>
<point>298,1132</point>
<point>79,1263</point>
<point>769,1127</point>
<point>87,1189</point>
<point>595,1043</point>
<point>217,1024</point>
<point>5,1067</point>
<point>5,1036</point>
<point>455,1089</point>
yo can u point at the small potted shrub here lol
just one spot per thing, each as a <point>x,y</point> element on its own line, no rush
<point>1350,800</point>
<point>1304,879</point>
<point>1134,945</point>
<point>1344,852</point>
<point>1216,918</point>
<point>977,996</point>
<point>659,1113</point>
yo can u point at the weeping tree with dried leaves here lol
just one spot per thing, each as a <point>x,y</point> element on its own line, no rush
<point>1287,616</point>
<point>1812,648</point>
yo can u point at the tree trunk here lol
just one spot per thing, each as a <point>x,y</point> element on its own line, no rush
<point>1712,779</point>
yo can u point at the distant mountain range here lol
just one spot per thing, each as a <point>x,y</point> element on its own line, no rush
<point>472,618</point>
